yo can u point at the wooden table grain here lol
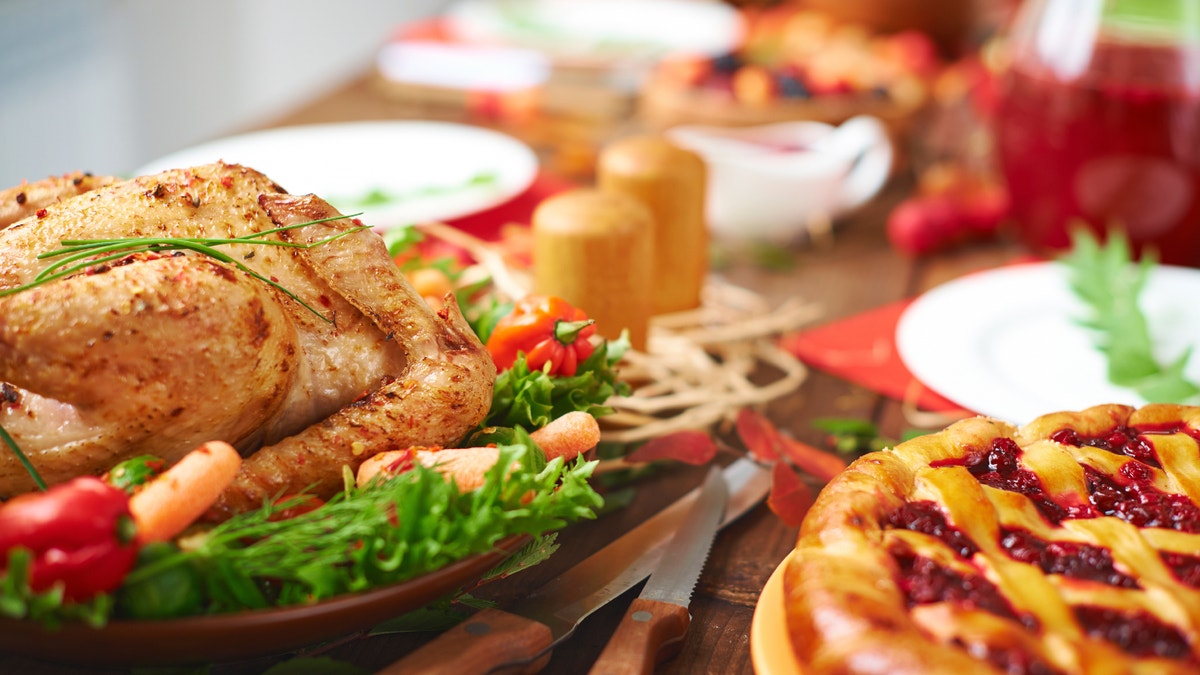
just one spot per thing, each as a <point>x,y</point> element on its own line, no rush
<point>851,271</point>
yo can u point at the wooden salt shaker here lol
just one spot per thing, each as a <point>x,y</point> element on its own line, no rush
<point>594,249</point>
<point>671,182</point>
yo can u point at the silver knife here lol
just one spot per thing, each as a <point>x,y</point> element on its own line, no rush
<point>655,623</point>
<point>523,634</point>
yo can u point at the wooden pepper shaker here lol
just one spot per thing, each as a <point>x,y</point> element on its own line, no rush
<point>671,182</point>
<point>595,250</point>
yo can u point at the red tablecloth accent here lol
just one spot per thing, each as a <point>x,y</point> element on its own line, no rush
<point>486,224</point>
<point>862,349</point>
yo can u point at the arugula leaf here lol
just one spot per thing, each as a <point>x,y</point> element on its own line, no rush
<point>1110,284</point>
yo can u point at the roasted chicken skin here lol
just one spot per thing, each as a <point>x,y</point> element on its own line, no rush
<point>157,352</point>
<point>25,199</point>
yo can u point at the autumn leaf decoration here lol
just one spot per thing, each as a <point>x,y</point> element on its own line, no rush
<point>688,446</point>
<point>790,495</point>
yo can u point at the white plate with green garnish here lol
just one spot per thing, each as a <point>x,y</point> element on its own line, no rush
<point>1013,342</point>
<point>393,172</point>
<point>599,32</point>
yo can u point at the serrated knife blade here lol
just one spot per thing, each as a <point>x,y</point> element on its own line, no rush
<point>523,634</point>
<point>656,622</point>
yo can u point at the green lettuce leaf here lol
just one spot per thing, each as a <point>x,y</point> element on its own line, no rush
<point>531,399</point>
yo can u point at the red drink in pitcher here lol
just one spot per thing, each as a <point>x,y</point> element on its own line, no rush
<point>1103,126</point>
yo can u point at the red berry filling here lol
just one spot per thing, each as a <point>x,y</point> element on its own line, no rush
<point>999,467</point>
<point>926,517</point>
<point>1176,427</point>
<point>1014,661</point>
<point>1136,501</point>
<point>1122,440</point>
<point>1138,633</point>
<point>1185,567</point>
<point>923,581</point>
<point>1076,560</point>
<point>1071,559</point>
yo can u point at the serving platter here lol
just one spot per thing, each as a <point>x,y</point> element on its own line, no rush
<point>1007,342</point>
<point>394,172</point>
<point>770,643</point>
<point>242,635</point>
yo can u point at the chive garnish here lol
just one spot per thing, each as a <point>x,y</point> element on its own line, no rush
<point>22,458</point>
<point>76,255</point>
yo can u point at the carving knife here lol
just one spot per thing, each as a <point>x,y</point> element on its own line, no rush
<point>519,638</point>
<point>655,623</point>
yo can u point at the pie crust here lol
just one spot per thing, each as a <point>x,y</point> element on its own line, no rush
<point>1068,545</point>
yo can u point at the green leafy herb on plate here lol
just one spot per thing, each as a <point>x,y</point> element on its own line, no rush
<point>384,533</point>
<point>530,399</point>
<point>377,196</point>
<point>1109,283</point>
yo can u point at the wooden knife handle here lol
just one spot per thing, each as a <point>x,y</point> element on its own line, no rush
<point>651,631</point>
<point>475,646</point>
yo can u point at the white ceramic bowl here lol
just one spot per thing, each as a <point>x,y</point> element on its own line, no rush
<point>776,182</point>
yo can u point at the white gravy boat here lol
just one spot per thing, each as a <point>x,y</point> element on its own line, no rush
<point>774,182</point>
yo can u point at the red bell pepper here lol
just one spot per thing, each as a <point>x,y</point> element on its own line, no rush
<point>548,330</point>
<point>80,534</point>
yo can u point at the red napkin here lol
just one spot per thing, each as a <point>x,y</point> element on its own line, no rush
<point>862,349</point>
<point>486,224</point>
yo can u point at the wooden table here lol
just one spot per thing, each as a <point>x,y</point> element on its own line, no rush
<point>855,271</point>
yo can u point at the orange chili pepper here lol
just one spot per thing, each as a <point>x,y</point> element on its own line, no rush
<point>547,330</point>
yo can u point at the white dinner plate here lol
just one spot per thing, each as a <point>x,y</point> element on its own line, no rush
<point>1006,342</point>
<point>599,32</point>
<point>395,173</point>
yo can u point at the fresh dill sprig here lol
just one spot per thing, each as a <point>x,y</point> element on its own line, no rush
<point>1110,284</point>
<point>387,531</point>
<point>76,255</point>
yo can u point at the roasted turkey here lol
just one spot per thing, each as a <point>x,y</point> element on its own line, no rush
<point>155,352</point>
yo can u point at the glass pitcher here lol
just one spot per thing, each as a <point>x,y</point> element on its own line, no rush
<point>1099,123</point>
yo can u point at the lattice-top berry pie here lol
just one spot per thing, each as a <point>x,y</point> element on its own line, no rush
<point>1069,545</point>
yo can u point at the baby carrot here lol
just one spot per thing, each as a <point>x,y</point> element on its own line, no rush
<point>170,502</point>
<point>391,463</point>
<point>432,284</point>
<point>467,466</point>
<point>568,435</point>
